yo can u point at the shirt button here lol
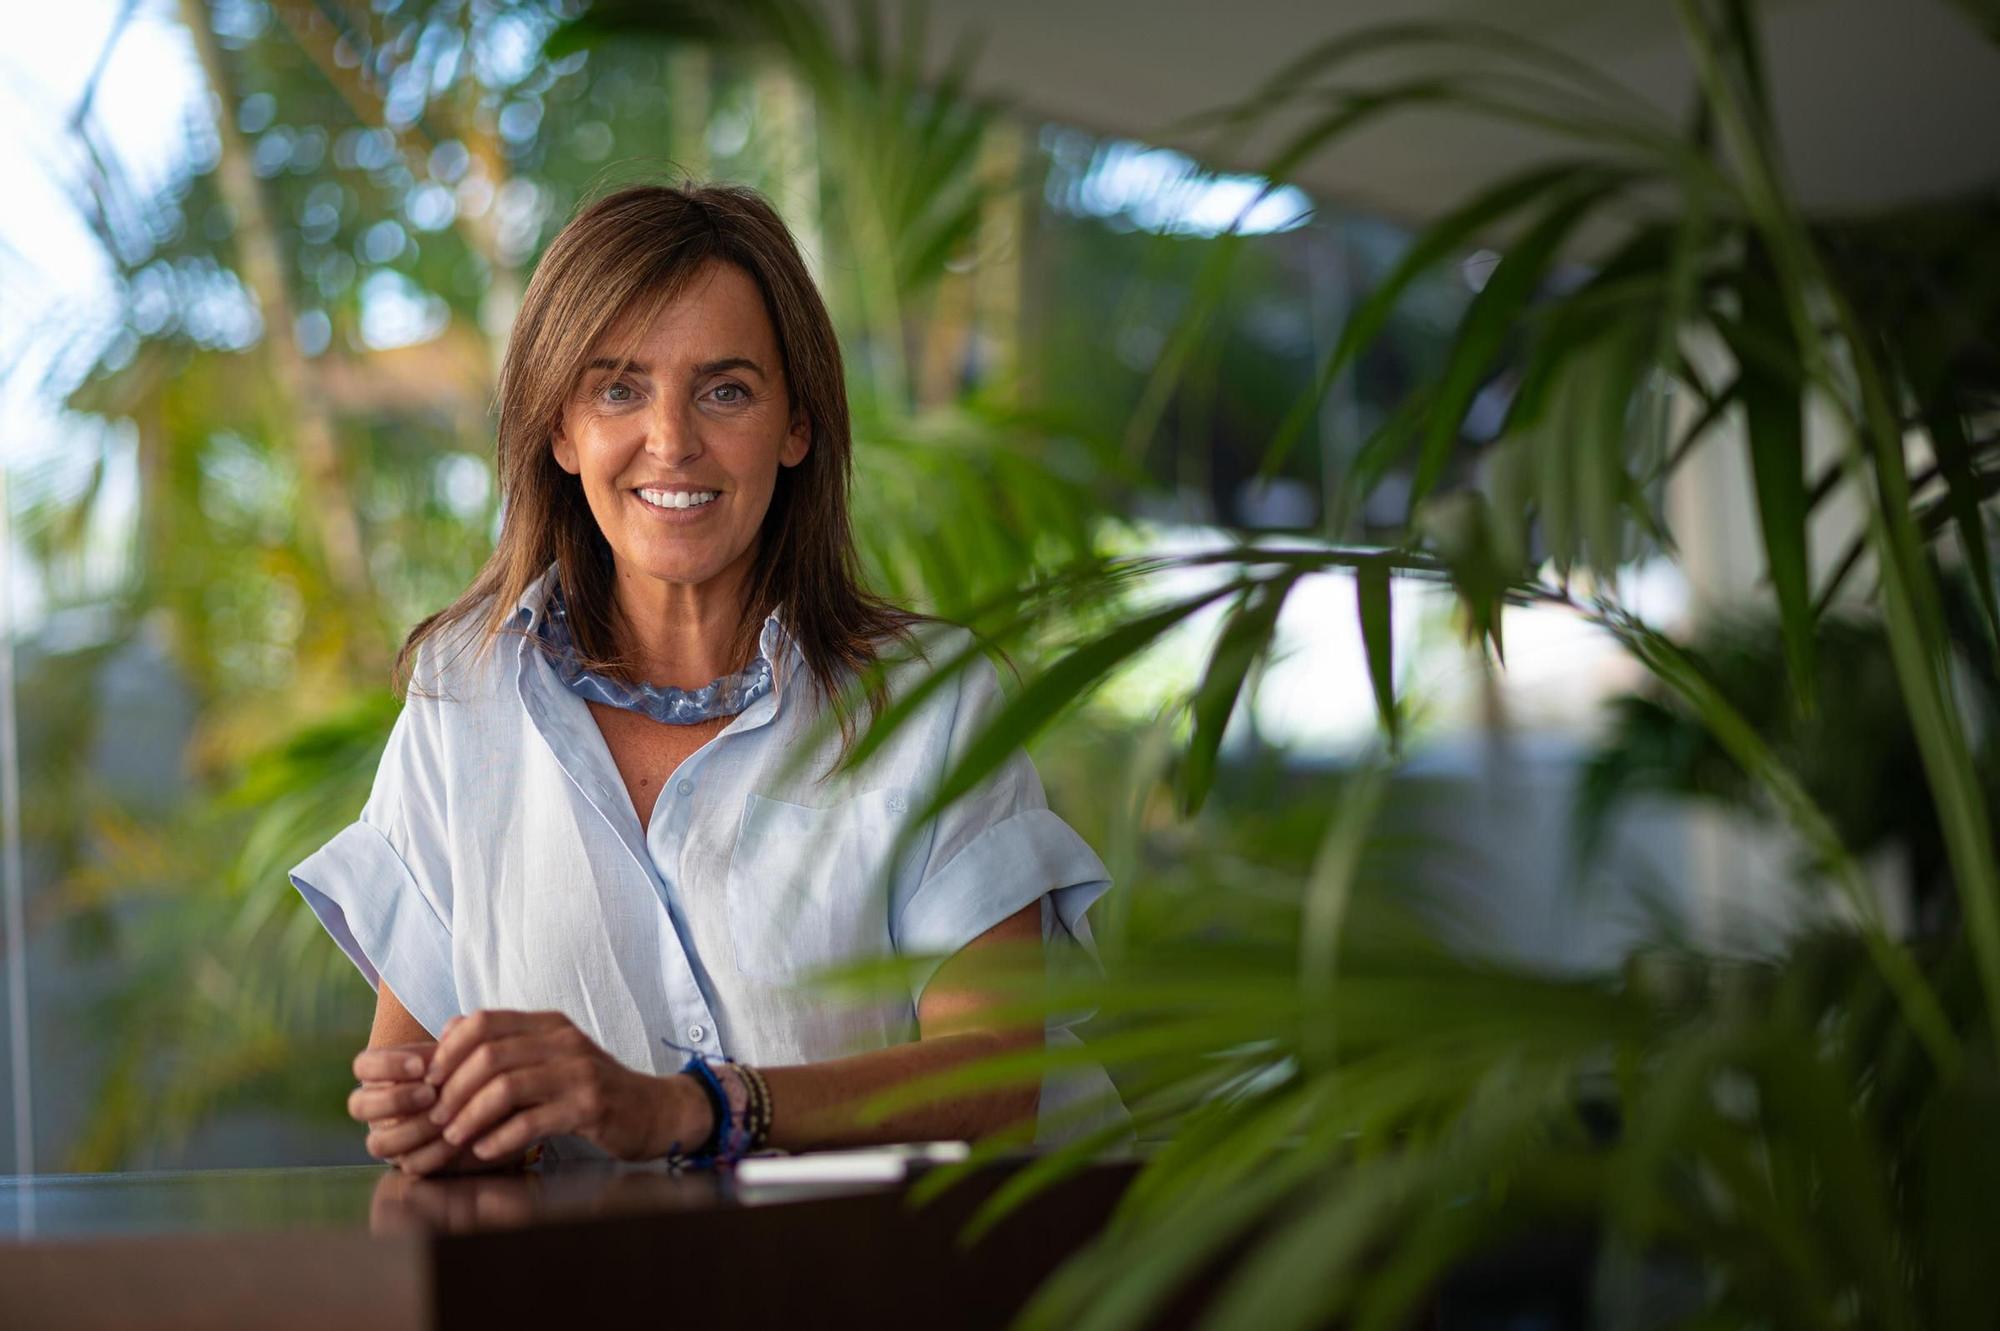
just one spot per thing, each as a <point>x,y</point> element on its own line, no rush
<point>686,786</point>
<point>695,1033</point>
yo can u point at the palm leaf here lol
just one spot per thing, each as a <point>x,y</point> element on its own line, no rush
<point>1246,636</point>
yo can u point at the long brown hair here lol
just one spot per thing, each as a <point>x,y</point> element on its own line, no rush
<point>629,253</point>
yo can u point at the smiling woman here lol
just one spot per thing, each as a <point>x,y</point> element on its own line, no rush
<point>612,837</point>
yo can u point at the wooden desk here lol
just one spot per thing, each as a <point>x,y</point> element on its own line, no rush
<point>363,1247</point>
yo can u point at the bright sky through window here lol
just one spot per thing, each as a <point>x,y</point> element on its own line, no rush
<point>1133,186</point>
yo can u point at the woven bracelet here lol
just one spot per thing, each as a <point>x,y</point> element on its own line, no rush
<point>717,1146</point>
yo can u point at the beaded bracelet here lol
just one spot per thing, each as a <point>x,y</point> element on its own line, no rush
<point>760,1099</point>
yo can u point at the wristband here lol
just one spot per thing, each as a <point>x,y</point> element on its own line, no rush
<point>739,1105</point>
<point>718,1105</point>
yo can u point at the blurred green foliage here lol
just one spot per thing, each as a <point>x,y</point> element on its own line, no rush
<point>1880,805</point>
<point>1350,1110</point>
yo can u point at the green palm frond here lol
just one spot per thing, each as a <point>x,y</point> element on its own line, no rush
<point>1407,1107</point>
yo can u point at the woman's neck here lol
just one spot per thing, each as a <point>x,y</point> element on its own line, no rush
<point>682,635</point>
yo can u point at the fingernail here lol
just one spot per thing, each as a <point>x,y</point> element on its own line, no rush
<point>454,1135</point>
<point>413,1067</point>
<point>440,1115</point>
<point>435,1075</point>
<point>425,1094</point>
<point>484,1150</point>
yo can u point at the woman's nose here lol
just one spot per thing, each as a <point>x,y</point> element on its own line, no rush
<point>673,436</point>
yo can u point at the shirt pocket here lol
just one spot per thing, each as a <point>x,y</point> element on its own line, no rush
<point>808,887</point>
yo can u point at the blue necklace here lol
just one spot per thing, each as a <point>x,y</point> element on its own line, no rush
<point>676,707</point>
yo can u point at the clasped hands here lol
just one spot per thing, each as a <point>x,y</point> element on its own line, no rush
<point>496,1082</point>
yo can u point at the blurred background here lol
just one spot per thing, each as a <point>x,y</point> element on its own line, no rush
<point>257,264</point>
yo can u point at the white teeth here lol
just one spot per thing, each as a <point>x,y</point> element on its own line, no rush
<point>677,498</point>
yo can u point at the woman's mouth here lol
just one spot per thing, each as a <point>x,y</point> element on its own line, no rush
<point>677,499</point>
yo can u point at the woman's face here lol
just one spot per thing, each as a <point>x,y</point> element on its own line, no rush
<point>678,448</point>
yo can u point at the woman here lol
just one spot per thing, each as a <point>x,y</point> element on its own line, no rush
<point>612,833</point>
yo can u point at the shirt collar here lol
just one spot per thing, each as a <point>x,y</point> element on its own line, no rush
<point>774,642</point>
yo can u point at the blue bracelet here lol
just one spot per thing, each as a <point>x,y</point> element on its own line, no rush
<point>735,1134</point>
<point>716,1148</point>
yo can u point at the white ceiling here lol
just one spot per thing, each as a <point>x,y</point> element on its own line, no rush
<point>1879,101</point>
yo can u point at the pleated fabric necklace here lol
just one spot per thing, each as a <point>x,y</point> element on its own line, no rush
<point>676,707</point>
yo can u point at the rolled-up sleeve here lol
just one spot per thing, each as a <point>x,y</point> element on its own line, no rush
<point>380,886</point>
<point>993,852</point>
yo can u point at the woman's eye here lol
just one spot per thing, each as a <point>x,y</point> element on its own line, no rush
<point>730,394</point>
<point>618,393</point>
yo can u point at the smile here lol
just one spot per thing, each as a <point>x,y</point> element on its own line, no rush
<point>672,499</point>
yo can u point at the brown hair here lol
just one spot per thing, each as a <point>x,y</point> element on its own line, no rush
<point>626,253</point>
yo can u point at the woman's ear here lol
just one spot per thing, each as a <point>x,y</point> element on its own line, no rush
<point>565,452</point>
<point>797,443</point>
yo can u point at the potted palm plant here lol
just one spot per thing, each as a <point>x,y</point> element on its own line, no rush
<point>1351,1111</point>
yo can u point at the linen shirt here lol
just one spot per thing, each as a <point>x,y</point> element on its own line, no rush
<point>498,863</point>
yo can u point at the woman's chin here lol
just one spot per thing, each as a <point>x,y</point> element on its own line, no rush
<point>676,568</point>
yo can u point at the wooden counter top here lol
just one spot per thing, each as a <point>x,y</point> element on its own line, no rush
<point>365,1247</point>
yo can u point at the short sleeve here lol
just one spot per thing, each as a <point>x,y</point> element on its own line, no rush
<point>993,852</point>
<point>381,886</point>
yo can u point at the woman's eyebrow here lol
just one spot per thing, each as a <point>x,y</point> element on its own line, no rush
<point>705,368</point>
<point>730,363</point>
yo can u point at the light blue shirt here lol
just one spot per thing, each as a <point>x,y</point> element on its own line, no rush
<point>499,863</point>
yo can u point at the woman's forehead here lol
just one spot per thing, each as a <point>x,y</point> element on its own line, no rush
<point>716,314</point>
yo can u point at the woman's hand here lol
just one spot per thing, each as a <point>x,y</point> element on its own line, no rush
<point>393,1103</point>
<point>506,1079</point>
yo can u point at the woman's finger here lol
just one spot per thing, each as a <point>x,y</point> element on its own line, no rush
<point>514,1089</point>
<point>395,1062</point>
<point>526,1128</point>
<point>428,1158</point>
<point>464,1034</point>
<point>380,1100</point>
<point>485,1063</point>
<point>391,1144</point>
<point>393,1137</point>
